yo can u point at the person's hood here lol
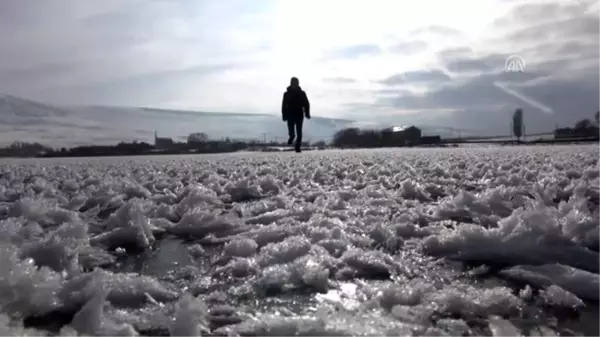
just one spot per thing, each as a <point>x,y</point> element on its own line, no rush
<point>294,89</point>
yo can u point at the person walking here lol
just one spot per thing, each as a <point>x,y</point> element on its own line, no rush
<point>294,108</point>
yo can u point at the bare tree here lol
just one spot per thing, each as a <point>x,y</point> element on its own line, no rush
<point>517,123</point>
<point>197,137</point>
<point>583,124</point>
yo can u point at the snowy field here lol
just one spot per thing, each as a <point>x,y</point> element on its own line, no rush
<point>488,241</point>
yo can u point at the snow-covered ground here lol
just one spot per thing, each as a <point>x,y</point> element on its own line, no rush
<point>500,241</point>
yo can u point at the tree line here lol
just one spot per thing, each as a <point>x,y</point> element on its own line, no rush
<point>196,143</point>
<point>582,129</point>
<point>374,138</point>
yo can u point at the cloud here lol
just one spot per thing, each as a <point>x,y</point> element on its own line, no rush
<point>65,53</point>
<point>432,62</point>
<point>150,88</point>
<point>560,43</point>
<point>438,30</point>
<point>352,52</point>
<point>409,47</point>
<point>476,64</point>
<point>340,80</point>
<point>416,77</point>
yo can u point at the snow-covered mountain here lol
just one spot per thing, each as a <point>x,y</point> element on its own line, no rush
<point>26,120</point>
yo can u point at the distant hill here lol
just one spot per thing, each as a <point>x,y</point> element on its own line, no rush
<point>30,121</point>
<point>14,109</point>
<point>235,114</point>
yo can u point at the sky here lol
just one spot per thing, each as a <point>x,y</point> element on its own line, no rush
<point>435,62</point>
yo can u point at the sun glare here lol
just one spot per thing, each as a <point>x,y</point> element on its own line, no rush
<point>304,33</point>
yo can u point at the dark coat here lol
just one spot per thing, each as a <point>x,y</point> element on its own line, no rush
<point>295,104</point>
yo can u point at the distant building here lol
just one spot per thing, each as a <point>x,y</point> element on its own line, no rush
<point>565,133</point>
<point>162,143</point>
<point>427,140</point>
<point>404,135</point>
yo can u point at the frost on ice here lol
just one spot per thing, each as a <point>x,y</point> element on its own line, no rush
<point>484,241</point>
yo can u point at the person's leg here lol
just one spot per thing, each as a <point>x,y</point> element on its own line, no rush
<point>290,125</point>
<point>299,123</point>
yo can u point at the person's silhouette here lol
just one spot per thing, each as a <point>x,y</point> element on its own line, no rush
<point>294,108</point>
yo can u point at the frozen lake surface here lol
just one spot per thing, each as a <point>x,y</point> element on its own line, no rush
<point>477,241</point>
